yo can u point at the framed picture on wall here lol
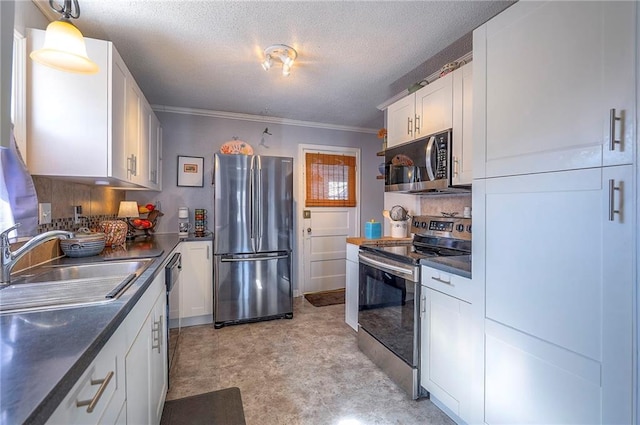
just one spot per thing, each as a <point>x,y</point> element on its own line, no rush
<point>190,171</point>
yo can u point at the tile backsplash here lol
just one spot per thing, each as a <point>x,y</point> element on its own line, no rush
<point>436,205</point>
<point>98,204</point>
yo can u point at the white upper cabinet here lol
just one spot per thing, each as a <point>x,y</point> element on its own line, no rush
<point>462,125</point>
<point>154,172</point>
<point>434,107</point>
<point>87,128</point>
<point>551,80</point>
<point>400,121</point>
<point>427,111</point>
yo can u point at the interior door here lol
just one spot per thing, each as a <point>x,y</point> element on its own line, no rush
<point>324,232</point>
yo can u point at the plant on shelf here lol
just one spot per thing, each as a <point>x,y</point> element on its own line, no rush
<point>382,134</point>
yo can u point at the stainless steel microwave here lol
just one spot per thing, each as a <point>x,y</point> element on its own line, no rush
<point>423,165</point>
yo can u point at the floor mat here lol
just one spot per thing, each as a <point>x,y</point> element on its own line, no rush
<point>223,407</point>
<point>321,299</point>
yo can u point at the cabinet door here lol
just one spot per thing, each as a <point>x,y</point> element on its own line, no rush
<point>401,121</point>
<point>133,111</point>
<point>444,355</point>
<point>154,149</point>
<point>66,135</point>
<point>118,165</point>
<point>196,280</point>
<point>434,107</point>
<point>462,125</point>
<point>351,287</point>
<point>558,276</point>
<point>138,372</point>
<point>158,360</point>
<point>547,76</point>
<point>144,167</point>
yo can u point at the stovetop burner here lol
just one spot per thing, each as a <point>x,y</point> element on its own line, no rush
<point>433,237</point>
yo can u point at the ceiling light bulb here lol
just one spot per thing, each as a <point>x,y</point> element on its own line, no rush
<point>266,65</point>
<point>286,59</point>
<point>286,70</point>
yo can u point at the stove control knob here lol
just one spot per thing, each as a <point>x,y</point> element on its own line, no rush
<point>423,224</point>
<point>460,227</point>
<point>469,228</point>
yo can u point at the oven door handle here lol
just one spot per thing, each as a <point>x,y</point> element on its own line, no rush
<point>383,266</point>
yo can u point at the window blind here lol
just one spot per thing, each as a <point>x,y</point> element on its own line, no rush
<point>330,180</point>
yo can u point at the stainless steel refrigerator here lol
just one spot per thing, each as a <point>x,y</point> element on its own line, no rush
<point>253,224</point>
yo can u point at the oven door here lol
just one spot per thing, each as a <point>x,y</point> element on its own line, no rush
<point>388,304</point>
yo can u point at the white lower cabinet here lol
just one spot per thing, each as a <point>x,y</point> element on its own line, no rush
<point>446,352</point>
<point>196,283</point>
<point>351,287</point>
<point>127,381</point>
<point>146,368</point>
<point>99,395</point>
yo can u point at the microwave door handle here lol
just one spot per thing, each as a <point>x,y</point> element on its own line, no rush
<point>428,156</point>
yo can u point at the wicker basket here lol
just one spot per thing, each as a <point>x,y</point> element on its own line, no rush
<point>115,231</point>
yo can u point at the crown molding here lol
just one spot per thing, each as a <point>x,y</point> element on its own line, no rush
<point>259,118</point>
<point>430,79</point>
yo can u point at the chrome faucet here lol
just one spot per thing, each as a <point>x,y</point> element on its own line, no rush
<point>9,259</point>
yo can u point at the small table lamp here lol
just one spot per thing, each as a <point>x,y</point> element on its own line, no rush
<point>128,210</point>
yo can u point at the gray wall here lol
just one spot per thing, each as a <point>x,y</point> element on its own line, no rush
<point>202,136</point>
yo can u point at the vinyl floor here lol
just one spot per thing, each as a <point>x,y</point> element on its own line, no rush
<point>304,371</point>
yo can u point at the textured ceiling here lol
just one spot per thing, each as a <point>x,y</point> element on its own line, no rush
<point>352,56</point>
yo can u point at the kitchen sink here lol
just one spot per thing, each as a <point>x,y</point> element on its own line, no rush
<point>83,271</point>
<point>60,286</point>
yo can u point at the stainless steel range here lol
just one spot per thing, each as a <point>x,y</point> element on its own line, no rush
<point>389,294</point>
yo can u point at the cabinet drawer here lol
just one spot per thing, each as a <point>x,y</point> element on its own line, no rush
<point>99,394</point>
<point>447,283</point>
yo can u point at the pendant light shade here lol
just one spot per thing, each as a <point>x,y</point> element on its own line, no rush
<point>64,49</point>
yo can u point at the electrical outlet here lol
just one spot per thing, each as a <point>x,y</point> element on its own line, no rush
<point>44,213</point>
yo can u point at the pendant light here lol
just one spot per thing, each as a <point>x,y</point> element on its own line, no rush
<point>64,48</point>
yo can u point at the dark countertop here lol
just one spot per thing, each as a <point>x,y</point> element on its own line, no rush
<point>459,264</point>
<point>44,353</point>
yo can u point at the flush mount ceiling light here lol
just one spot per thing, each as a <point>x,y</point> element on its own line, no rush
<point>64,48</point>
<point>282,53</point>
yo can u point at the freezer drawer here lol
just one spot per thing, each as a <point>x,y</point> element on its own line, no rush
<point>252,287</point>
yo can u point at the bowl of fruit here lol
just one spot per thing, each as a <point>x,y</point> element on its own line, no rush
<point>148,219</point>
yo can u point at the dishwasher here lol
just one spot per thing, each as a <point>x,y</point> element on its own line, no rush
<point>172,279</point>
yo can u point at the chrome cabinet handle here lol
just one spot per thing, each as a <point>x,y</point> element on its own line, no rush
<point>423,305</point>
<point>612,189</point>
<point>103,386</point>
<point>612,129</point>
<point>409,126</point>
<point>417,124</point>
<point>157,338</point>
<point>447,282</point>
<point>455,166</point>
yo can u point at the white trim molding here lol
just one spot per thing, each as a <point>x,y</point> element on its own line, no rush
<point>259,118</point>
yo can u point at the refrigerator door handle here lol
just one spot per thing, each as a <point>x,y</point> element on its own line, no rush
<point>239,260</point>
<point>252,203</point>
<point>258,216</point>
